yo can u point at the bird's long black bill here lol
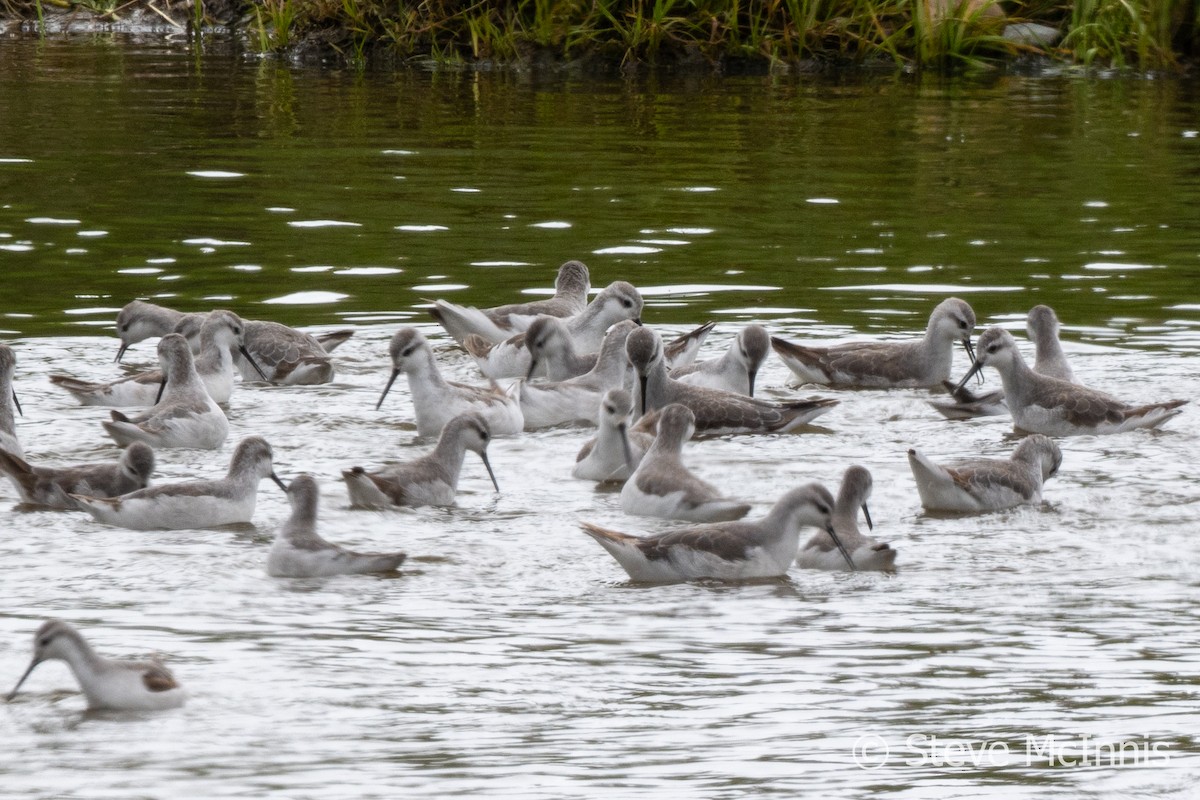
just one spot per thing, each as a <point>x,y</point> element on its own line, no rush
<point>533,362</point>
<point>162,387</point>
<point>492,475</point>
<point>279,482</point>
<point>966,343</point>
<point>388,388</point>
<point>8,697</point>
<point>246,355</point>
<point>970,373</point>
<point>752,376</point>
<point>625,448</point>
<point>642,385</point>
<point>841,548</point>
<point>121,352</point>
<point>867,514</point>
<point>17,403</point>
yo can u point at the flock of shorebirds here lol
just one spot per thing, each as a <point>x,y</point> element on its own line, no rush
<point>574,362</point>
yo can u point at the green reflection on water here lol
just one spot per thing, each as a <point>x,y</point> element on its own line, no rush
<point>1037,186</point>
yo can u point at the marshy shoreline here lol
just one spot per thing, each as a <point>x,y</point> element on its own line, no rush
<point>721,36</point>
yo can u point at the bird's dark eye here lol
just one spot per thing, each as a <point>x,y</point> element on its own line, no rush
<point>125,328</point>
<point>609,410</point>
<point>824,509</point>
<point>627,303</point>
<point>408,351</point>
<point>962,324</point>
<point>44,641</point>
<point>993,348</point>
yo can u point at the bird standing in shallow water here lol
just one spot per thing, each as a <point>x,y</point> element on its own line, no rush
<point>192,504</point>
<point>185,416</point>
<point>52,486</point>
<point>1041,404</point>
<point>436,400</point>
<point>715,411</point>
<point>109,685</point>
<point>431,479</point>
<point>662,486</point>
<point>821,552</point>
<point>925,362</point>
<point>729,551</point>
<point>300,552</point>
<point>985,484</point>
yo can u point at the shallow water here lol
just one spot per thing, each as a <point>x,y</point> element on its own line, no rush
<point>511,657</point>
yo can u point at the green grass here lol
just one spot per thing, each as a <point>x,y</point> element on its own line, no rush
<point>1140,34</point>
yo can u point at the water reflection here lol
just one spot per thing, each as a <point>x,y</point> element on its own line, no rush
<point>513,659</point>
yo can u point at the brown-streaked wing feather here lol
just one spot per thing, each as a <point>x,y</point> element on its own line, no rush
<point>158,679</point>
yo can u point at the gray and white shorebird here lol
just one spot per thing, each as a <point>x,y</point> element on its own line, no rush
<point>52,486</point>
<point>185,416</point>
<point>716,411</point>
<point>552,352</point>
<point>497,324</point>
<point>578,399</point>
<point>436,400</point>
<point>550,346</point>
<point>662,486</point>
<point>221,333</point>
<point>8,402</point>
<point>1042,326</point>
<point>866,553</point>
<point>728,551</point>
<point>736,370</point>
<point>985,484</point>
<point>192,504</point>
<point>286,355</point>
<point>511,358</point>
<point>616,450</point>
<point>1041,404</point>
<point>108,684</point>
<point>432,479</point>
<point>925,362</point>
<point>299,551</point>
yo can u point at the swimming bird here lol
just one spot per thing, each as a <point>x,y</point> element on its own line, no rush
<point>662,486</point>
<point>221,332</point>
<point>300,552</point>
<point>108,684</point>
<point>192,504</point>
<point>552,352</point>
<point>511,358</point>
<point>1042,327</point>
<point>578,399</point>
<point>497,324</point>
<point>185,416</point>
<point>139,320</point>
<point>728,551</point>
<point>716,411</point>
<point>287,356</point>
<point>987,484</point>
<point>8,402</point>
<point>436,401</point>
<point>735,371</point>
<point>924,362</point>
<point>821,552</point>
<point>615,451</point>
<point>51,486</point>
<point>1049,359</point>
<point>432,479</point>
<point>1041,404</point>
